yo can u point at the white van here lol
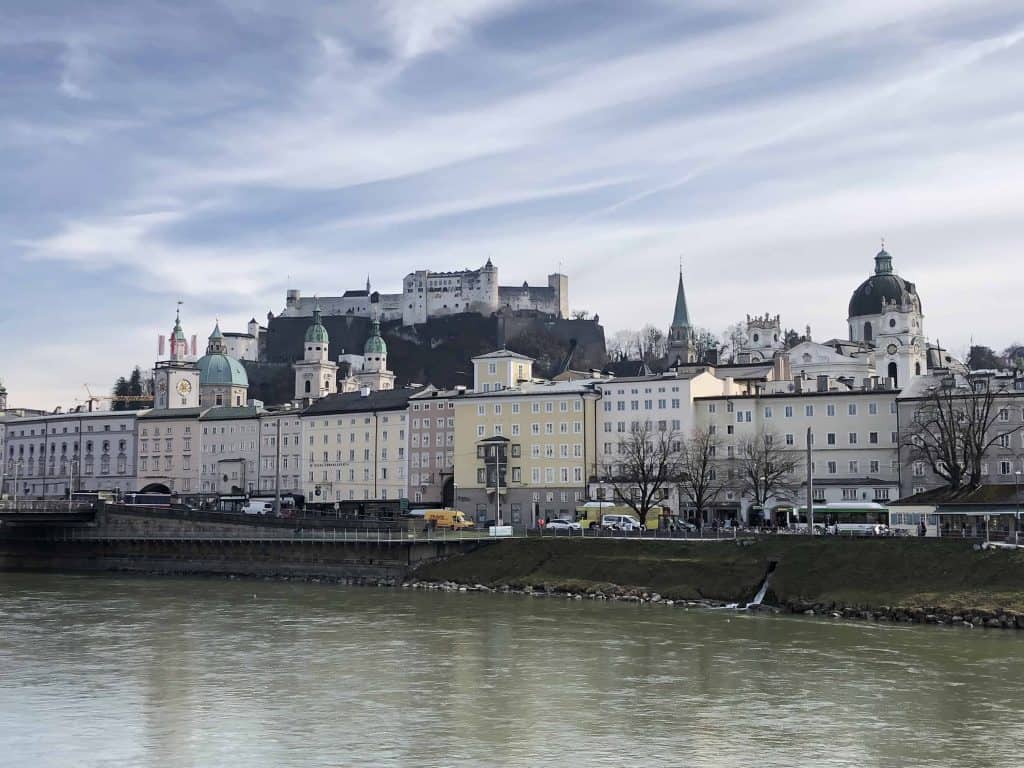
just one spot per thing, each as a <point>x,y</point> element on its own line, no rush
<point>621,523</point>
<point>259,508</point>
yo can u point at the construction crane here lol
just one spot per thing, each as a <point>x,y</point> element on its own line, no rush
<point>112,398</point>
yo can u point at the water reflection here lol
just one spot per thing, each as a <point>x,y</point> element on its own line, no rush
<point>121,671</point>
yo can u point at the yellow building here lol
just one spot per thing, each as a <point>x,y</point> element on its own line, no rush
<point>524,449</point>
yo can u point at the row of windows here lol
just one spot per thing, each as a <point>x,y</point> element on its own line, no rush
<point>548,406</point>
<point>64,430</point>
<point>88,466</point>
<point>788,411</point>
<point>662,425</point>
<point>441,423</point>
<point>634,405</point>
<point>122,446</point>
<point>549,475</point>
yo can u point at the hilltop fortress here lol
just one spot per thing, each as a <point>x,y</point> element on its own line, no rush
<point>427,295</point>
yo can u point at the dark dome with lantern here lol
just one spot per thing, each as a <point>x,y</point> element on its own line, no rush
<point>883,288</point>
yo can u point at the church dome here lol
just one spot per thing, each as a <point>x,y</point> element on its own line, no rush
<point>316,333</point>
<point>375,345</point>
<point>883,288</point>
<point>223,370</point>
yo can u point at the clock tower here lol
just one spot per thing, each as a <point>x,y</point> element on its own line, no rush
<point>176,379</point>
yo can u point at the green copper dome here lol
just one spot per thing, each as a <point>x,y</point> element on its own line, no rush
<point>375,344</point>
<point>316,333</point>
<point>221,370</point>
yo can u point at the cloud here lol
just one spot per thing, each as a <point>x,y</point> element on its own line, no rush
<point>224,151</point>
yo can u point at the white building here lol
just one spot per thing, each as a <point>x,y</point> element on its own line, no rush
<point>230,450</point>
<point>280,440</point>
<point>356,446</point>
<point>88,451</point>
<point>855,439</point>
<point>169,450</point>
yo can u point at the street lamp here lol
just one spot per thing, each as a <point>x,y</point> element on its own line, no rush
<point>1016,489</point>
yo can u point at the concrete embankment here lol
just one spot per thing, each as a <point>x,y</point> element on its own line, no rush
<point>162,542</point>
<point>911,580</point>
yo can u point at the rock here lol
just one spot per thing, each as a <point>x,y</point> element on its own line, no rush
<point>993,623</point>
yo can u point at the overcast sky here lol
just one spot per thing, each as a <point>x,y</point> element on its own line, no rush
<point>222,151</point>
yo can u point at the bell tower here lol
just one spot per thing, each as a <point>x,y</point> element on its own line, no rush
<point>176,379</point>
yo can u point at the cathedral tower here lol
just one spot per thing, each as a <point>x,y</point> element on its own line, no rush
<point>681,346</point>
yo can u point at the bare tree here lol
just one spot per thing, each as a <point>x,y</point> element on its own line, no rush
<point>701,475</point>
<point>765,470</point>
<point>646,466</point>
<point>955,426</point>
<point>654,343</point>
<point>624,345</point>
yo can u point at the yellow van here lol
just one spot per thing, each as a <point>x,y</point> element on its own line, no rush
<point>447,518</point>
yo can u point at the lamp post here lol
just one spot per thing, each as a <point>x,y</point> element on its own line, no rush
<point>1016,489</point>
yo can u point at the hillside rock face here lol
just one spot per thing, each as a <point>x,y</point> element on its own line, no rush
<point>437,352</point>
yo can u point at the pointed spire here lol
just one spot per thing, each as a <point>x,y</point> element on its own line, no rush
<point>316,310</point>
<point>367,285</point>
<point>681,317</point>
<point>216,331</point>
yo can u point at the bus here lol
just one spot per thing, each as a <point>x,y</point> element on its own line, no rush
<point>865,519</point>
<point>147,500</point>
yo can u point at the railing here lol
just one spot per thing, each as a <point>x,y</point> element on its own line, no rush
<point>45,507</point>
<point>266,535</point>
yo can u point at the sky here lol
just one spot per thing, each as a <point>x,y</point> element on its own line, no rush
<point>223,151</point>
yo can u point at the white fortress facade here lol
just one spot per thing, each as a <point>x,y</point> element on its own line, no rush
<point>426,294</point>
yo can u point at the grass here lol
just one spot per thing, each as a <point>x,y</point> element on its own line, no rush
<point>867,573</point>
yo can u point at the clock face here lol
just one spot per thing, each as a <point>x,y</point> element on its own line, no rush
<point>184,387</point>
<point>891,349</point>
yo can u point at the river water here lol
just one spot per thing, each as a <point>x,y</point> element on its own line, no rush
<point>110,671</point>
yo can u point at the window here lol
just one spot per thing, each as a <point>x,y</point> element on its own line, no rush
<point>808,410</point>
<point>873,409</point>
<point>918,469</point>
<point>832,468</point>
<point>851,409</point>
<point>767,412</point>
<point>789,439</point>
<point>874,467</point>
<point>788,412</point>
<point>854,467</point>
<point>873,438</point>
<point>830,438</point>
<point>853,438</point>
<point>849,494</point>
<point>830,410</point>
<point>1005,468</point>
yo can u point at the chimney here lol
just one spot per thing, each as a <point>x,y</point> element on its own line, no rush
<point>780,367</point>
<point>822,382</point>
<point>798,384</point>
<point>364,391</point>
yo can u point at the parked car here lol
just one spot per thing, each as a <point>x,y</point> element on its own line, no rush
<point>625,523</point>
<point>559,525</point>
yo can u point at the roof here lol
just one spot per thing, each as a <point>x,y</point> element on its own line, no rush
<point>227,412</point>
<point>502,353</point>
<point>375,344</point>
<point>986,494</point>
<point>680,317</point>
<point>540,389</point>
<point>627,368</point>
<point>355,294</point>
<point>171,413</point>
<point>316,333</point>
<point>853,481</point>
<point>882,288</point>
<point>221,370</point>
<point>656,377</point>
<point>356,402</point>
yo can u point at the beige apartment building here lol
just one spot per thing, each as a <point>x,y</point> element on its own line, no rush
<point>355,447</point>
<point>524,449</point>
<point>169,450</point>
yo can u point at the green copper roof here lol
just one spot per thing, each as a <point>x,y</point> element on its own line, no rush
<point>680,318</point>
<point>375,344</point>
<point>316,332</point>
<point>179,335</point>
<point>216,331</point>
<point>223,370</point>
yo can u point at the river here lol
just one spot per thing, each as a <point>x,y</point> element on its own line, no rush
<point>112,671</point>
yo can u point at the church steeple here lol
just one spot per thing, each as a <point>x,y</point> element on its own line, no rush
<point>681,347</point>
<point>681,317</point>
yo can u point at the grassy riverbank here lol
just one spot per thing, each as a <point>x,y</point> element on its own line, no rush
<point>867,573</point>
